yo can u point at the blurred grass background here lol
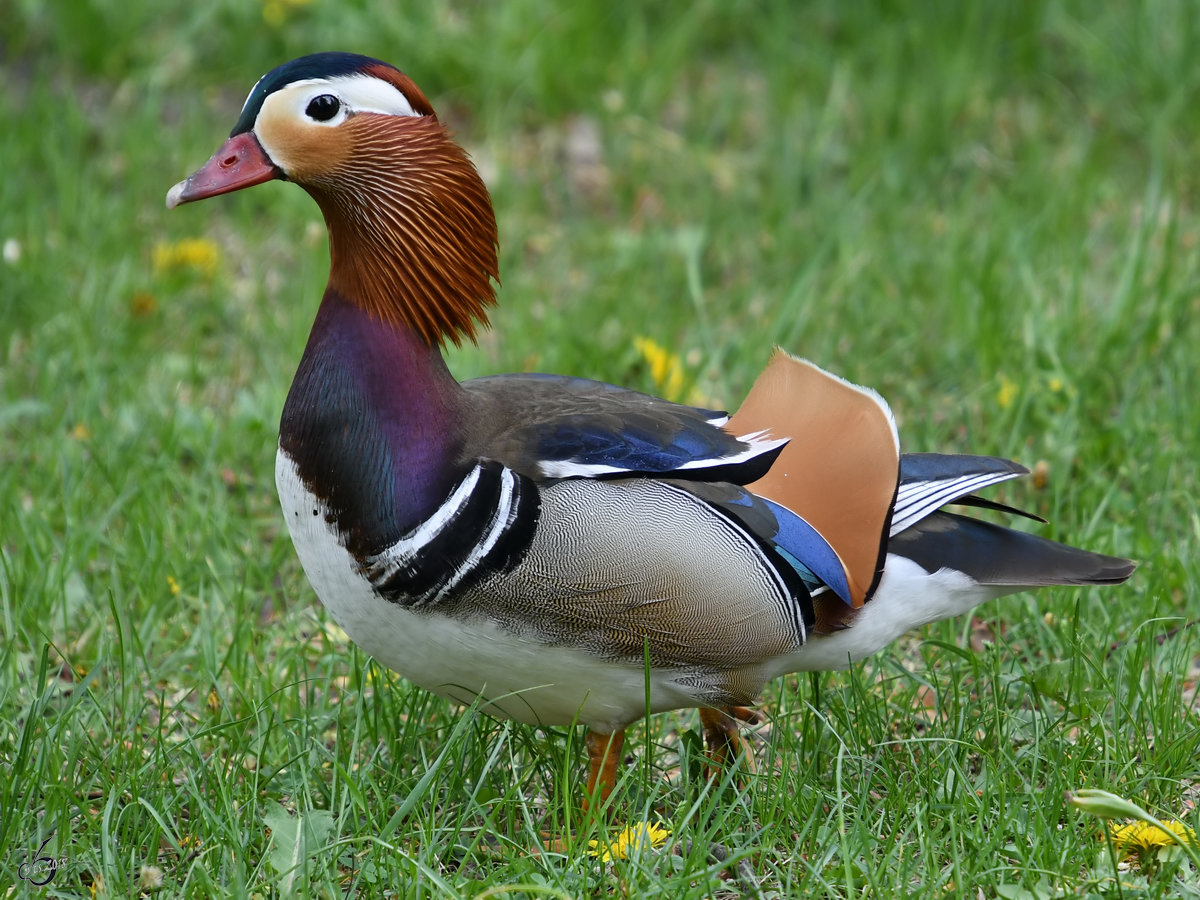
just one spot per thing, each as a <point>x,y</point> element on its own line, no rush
<point>985,211</point>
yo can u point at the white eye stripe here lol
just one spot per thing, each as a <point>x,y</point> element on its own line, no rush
<point>357,93</point>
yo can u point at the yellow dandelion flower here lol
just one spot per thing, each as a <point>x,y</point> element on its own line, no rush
<point>1141,838</point>
<point>1007,393</point>
<point>633,839</point>
<point>199,254</point>
<point>173,585</point>
<point>1055,384</point>
<point>81,432</point>
<point>665,368</point>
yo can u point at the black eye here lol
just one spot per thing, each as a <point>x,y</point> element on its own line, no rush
<point>323,107</point>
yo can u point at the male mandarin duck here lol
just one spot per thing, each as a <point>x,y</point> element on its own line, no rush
<point>560,549</point>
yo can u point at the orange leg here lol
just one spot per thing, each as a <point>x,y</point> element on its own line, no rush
<point>721,735</point>
<point>604,753</point>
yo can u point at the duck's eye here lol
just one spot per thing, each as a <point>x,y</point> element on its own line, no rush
<point>323,107</point>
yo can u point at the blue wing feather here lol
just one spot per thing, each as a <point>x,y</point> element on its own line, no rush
<point>800,543</point>
<point>628,447</point>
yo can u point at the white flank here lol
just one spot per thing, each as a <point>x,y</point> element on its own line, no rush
<point>907,598</point>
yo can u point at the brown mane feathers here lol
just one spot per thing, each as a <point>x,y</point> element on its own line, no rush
<point>411,228</point>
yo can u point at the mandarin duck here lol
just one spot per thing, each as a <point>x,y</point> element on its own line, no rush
<point>557,549</point>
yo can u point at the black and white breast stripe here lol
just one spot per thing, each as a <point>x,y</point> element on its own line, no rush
<point>484,526</point>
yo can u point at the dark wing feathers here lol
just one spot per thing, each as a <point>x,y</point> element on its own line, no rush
<point>555,426</point>
<point>992,554</point>
<point>918,467</point>
<point>996,506</point>
<point>552,426</point>
<point>929,481</point>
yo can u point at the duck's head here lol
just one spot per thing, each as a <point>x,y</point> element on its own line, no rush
<point>411,228</point>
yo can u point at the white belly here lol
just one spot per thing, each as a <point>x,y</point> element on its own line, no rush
<point>907,598</point>
<point>512,676</point>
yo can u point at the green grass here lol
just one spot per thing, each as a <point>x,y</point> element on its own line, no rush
<point>986,211</point>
